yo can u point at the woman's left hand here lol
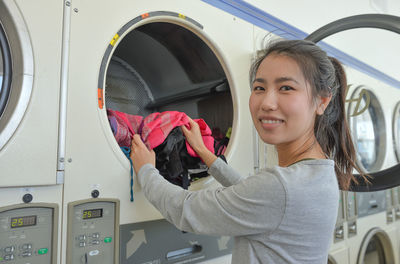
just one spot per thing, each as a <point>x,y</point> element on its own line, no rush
<point>140,155</point>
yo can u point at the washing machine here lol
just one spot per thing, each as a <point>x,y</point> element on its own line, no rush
<point>30,59</point>
<point>374,239</point>
<point>153,56</point>
<point>396,148</point>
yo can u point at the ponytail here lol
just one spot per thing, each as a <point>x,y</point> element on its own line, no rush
<point>332,131</point>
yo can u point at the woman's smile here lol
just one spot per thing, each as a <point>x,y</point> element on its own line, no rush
<point>270,123</point>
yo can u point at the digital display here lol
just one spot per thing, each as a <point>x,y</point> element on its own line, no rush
<point>23,221</point>
<point>93,213</point>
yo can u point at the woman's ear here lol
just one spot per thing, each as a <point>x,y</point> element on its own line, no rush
<point>323,103</point>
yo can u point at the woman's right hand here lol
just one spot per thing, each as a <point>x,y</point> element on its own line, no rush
<point>193,136</point>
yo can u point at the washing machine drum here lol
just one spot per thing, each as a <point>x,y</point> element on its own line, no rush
<point>125,90</point>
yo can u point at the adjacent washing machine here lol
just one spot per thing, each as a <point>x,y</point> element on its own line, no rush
<point>152,57</point>
<point>396,191</point>
<point>30,66</point>
<point>371,233</point>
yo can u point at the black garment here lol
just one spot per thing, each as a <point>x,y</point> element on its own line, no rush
<point>173,159</point>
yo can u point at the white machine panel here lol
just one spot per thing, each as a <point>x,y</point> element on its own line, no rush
<point>29,122</point>
<point>93,232</point>
<point>28,234</point>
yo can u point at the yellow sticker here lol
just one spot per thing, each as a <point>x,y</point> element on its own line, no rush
<point>114,40</point>
<point>182,16</point>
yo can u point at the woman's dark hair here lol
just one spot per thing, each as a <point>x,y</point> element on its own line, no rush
<point>327,77</point>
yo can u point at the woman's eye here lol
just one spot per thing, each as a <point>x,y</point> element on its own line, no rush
<point>286,88</point>
<point>258,88</point>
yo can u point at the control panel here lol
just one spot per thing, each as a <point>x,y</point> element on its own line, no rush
<point>28,234</point>
<point>371,203</point>
<point>93,235</point>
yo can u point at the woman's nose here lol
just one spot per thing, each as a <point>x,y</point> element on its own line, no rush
<point>269,101</point>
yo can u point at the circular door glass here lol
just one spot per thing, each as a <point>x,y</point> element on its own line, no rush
<point>368,129</point>
<point>396,131</point>
<point>161,67</point>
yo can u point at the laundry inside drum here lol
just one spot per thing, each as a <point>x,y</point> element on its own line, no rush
<point>160,74</point>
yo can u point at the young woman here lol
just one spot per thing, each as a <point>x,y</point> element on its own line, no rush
<point>285,214</point>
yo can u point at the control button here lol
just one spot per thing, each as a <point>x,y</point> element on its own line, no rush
<point>95,235</point>
<point>95,242</point>
<point>26,246</point>
<point>43,251</point>
<point>9,257</point>
<point>94,253</point>
<point>82,244</point>
<point>9,249</point>
<point>26,254</point>
<point>81,237</point>
<point>107,239</point>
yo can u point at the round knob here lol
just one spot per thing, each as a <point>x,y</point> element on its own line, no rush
<point>95,193</point>
<point>27,198</point>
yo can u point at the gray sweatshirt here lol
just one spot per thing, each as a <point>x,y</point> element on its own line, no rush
<point>280,215</point>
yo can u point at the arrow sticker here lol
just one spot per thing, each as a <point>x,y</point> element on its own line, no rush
<point>138,238</point>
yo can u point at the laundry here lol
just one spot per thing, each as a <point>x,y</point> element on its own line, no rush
<point>173,160</point>
<point>221,141</point>
<point>154,128</point>
<point>161,132</point>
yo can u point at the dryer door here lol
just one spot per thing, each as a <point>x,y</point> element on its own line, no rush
<point>165,67</point>
<point>381,179</point>
<point>16,70</point>
<point>376,248</point>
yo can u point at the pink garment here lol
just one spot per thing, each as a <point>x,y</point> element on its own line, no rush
<point>154,128</point>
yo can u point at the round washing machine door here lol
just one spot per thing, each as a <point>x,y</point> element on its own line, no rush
<point>16,69</point>
<point>369,152</point>
<point>376,248</point>
<point>396,131</point>
<point>164,64</point>
<point>368,129</point>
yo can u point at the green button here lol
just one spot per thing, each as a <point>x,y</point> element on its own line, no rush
<point>107,239</point>
<point>42,251</point>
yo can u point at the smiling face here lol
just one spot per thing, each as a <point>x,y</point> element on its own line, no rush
<point>281,106</point>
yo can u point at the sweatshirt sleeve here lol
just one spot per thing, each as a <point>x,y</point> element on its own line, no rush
<point>224,173</point>
<point>254,205</point>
